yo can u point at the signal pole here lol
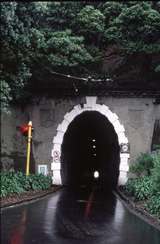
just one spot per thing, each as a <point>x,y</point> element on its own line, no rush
<point>29,147</point>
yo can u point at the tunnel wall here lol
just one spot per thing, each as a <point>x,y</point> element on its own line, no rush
<point>137,115</point>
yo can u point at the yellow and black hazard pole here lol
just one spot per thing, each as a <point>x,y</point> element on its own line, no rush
<point>29,147</point>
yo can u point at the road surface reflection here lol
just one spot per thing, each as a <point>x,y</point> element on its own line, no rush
<point>74,217</point>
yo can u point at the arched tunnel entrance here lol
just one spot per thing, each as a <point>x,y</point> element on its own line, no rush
<point>90,145</point>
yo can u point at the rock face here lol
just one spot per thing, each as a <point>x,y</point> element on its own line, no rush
<point>132,70</point>
<point>112,59</point>
<point>137,115</point>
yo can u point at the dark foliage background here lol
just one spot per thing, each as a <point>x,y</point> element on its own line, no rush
<point>120,40</point>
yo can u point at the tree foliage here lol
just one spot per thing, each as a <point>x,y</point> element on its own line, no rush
<point>74,37</point>
<point>136,28</point>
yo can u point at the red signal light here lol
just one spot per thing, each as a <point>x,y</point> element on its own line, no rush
<point>24,129</point>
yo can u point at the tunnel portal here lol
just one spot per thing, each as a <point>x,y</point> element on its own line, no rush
<point>90,145</point>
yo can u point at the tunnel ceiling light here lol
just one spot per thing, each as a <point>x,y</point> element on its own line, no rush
<point>93,139</point>
<point>95,154</point>
<point>96,174</point>
<point>94,146</point>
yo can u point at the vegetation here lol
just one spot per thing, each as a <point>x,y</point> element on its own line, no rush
<point>17,182</point>
<point>146,186</point>
<point>143,164</point>
<point>74,37</point>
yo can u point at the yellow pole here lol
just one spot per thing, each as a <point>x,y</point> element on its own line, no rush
<point>29,146</point>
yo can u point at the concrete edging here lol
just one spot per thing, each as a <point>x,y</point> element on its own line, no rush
<point>30,199</point>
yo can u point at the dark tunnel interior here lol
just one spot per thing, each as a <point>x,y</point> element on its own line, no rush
<point>90,144</point>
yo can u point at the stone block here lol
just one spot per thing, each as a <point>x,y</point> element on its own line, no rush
<point>122,178</point>
<point>58,138</point>
<point>112,117</point>
<point>124,164</point>
<point>77,108</point>
<point>122,138</point>
<point>118,127</point>
<point>56,179</point>
<point>55,166</point>
<point>63,126</point>
<point>71,115</point>
<point>91,100</point>
<point>56,147</point>
<point>125,155</point>
<point>88,107</point>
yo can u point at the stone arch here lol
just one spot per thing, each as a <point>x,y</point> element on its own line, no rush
<point>90,105</point>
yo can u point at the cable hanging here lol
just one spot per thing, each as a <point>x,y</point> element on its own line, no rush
<point>89,78</point>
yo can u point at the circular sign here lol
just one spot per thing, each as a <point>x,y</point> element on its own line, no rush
<point>125,148</point>
<point>56,156</point>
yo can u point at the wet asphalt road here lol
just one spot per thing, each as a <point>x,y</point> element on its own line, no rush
<point>75,218</point>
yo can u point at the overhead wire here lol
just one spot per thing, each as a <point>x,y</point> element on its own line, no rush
<point>89,78</point>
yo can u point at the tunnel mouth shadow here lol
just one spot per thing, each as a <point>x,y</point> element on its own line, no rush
<point>90,145</point>
<point>84,215</point>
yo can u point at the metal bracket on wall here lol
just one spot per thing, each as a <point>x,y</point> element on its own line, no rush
<point>124,148</point>
<point>156,101</point>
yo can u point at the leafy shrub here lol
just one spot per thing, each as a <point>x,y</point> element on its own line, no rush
<point>155,172</point>
<point>143,164</point>
<point>153,204</point>
<point>18,182</point>
<point>11,183</point>
<point>146,187</point>
<point>141,188</point>
<point>39,181</point>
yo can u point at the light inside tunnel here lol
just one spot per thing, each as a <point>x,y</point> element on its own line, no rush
<point>96,174</point>
<point>90,145</point>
